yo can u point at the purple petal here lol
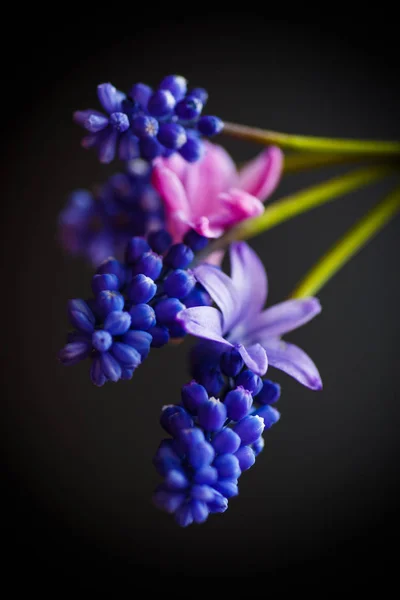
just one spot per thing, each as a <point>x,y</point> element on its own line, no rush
<point>202,321</point>
<point>283,317</point>
<point>92,120</point>
<point>249,279</point>
<point>255,358</point>
<point>110,98</point>
<point>107,146</point>
<point>221,289</point>
<point>293,361</point>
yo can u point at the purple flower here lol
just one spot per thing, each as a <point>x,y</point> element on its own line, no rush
<point>243,324</point>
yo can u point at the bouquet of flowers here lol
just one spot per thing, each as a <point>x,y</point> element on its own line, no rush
<point>157,234</point>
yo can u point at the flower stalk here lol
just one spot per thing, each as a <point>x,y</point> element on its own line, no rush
<point>311,143</point>
<point>290,206</point>
<point>362,232</point>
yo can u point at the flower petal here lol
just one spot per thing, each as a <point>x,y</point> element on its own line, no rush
<point>261,176</point>
<point>293,361</point>
<point>202,321</point>
<point>255,358</point>
<point>282,318</point>
<point>174,197</point>
<point>109,97</point>
<point>221,289</point>
<point>249,279</point>
<point>234,206</point>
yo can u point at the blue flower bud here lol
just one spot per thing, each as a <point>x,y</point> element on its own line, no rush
<point>211,379</point>
<point>149,264</point>
<point>135,249</point>
<point>246,457</point>
<point>101,340</point>
<point>210,125</point>
<point>176,84</point>
<point>226,441</point>
<point>159,240</point>
<point>74,352</point>
<point>199,93</point>
<point>113,267</point>
<point>250,381</point>
<point>161,104</point>
<point>189,438</point>
<point>189,108</point>
<point>227,487</point>
<point>194,240</point>
<point>168,501</point>
<point>140,340</point>
<point>142,317</point>
<point>107,302</point>
<point>199,510</point>
<point>231,362</point>
<point>249,429</point>
<point>219,504</point>
<point>106,281</point>
<point>141,289</point>
<point>269,414</point>
<point>126,355</point>
<point>167,309</point>
<point>179,284</point>
<point>126,372</point>
<point>238,403</point>
<point>176,331</point>
<point>198,297</point>
<point>206,475</point>
<point>160,336</point>
<point>201,455</point>
<point>144,126</point>
<point>150,148</point>
<point>193,150</point>
<point>111,367</point>
<point>166,459</point>
<point>203,492</point>
<point>117,322</point>
<point>193,394</point>
<point>212,414</point>
<point>227,466</point>
<point>140,93</point>
<point>119,121</point>
<point>172,135</point>
<point>175,480</point>
<point>96,372</point>
<point>179,256</point>
<point>269,393</point>
<point>80,315</point>
<point>175,418</point>
<point>184,515</point>
<point>258,445</point>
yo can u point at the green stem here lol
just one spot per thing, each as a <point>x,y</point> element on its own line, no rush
<point>297,203</point>
<point>312,144</point>
<point>363,231</point>
<point>298,162</point>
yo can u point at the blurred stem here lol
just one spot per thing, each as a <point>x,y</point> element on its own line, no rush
<point>363,231</point>
<point>312,144</point>
<point>290,206</point>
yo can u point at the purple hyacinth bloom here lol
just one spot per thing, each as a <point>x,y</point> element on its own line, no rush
<point>241,322</point>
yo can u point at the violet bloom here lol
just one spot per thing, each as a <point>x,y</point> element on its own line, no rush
<point>210,195</point>
<point>242,323</point>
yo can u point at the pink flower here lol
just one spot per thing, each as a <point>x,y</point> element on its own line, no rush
<point>210,195</point>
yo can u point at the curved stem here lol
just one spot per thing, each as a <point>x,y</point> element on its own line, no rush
<point>298,162</point>
<point>363,231</point>
<point>297,203</point>
<point>312,144</point>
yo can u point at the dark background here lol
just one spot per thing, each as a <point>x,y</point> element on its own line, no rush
<point>78,476</point>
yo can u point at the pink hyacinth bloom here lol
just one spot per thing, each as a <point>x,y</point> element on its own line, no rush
<point>211,195</point>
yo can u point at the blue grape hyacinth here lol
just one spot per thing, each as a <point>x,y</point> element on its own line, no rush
<point>148,123</point>
<point>213,440</point>
<point>99,224</point>
<point>134,306</point>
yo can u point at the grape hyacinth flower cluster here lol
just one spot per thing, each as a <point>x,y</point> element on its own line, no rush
<point>99,224</point>
<point>134,306</point>
<point>213,441</point>
<point>148,123</point>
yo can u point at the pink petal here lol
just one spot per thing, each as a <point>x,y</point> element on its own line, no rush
<point>261,176</point>
<point>234,206</point>
<point>172,192</point>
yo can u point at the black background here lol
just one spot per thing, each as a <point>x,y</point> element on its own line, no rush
<point>78,476</point>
